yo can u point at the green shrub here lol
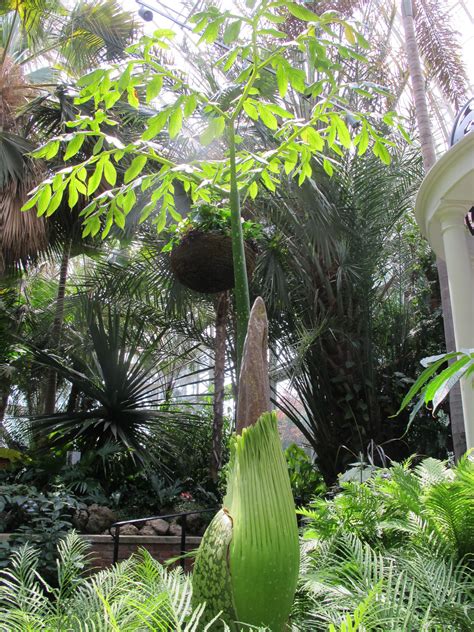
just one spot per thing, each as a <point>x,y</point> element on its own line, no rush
<point>393,553</point>
<point>136,595</point>
<point>35,517</point>
<point>306,480</point>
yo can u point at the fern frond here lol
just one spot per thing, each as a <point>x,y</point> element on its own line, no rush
<point>432,471</point>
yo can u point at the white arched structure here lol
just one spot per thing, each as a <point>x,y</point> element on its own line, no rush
<point>445,196</point>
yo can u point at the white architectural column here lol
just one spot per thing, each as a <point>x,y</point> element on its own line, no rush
<point>460,273</point>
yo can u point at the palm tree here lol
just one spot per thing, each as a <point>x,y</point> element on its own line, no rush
<point>119,369</point>
<point>333,238</point>
<point>438,47</point>
<point>37,33</point>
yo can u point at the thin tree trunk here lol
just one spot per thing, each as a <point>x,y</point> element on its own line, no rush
<point>51,380</point>
<point>3,407</point>
<point>429,158</point>
<point>219,376</point>
<point>241,290</point>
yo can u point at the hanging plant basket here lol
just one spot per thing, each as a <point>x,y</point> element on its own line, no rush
<point>202,261</point>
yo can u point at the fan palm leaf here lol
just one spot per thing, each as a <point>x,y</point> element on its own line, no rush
<point>124,377</point>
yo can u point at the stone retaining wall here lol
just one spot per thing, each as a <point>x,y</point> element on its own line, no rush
<point>161,547</point>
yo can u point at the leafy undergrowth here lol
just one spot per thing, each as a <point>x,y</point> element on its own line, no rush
<point>394,553</point>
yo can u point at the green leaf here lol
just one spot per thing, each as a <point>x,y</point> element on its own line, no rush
<point>95,179</point>
<point>232,31</point>
<point>153,88</point>
<point>119,218</point>
<point>146,211</point>
<point>343,133</point>
<point>211,32</point>
<point>297,78</point>
<point>108,224</point>
<point>161,220</point>
<point>98,146</point>
<point>175,122</point>
<point>110,172</point>
<point>129,201</point>
<point>250,109</point>
<point>190,105</point>
<point>438,382</point>
<point>74,146</point>
<point>135,168</point>
<point>73,194</point>
<point>32,201</point>
<point>349,34</point>
<point>423,378</point>
<point>279,111</point>
<point>363,141</point>
<point>91,78</point>
<point>43,200</point>
<point>231,59</point>
<point>282,80</point>
<point>313,138</point>
<point>132,98</point>
<point>156,124</point>
<point>381,151</point>
<point>267,117</point>
<point>253,190</point>
<point>328,168</point>
<point>301,12</point>
<point>55,202</point>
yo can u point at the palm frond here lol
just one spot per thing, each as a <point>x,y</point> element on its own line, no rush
<point>96,31</point>
<point>440,50</point>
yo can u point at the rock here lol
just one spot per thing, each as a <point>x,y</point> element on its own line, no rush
<point>100,518</point>
<point>194,523</point>
<point>147,530</point>
<point>79,519</point>
<point>159,525</point>
<point>128,529</point>
<point>175,529</point>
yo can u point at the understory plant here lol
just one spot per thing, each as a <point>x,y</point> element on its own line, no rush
<point>40,518</point>
<point>138,594</point>
<point>305,479</point>
<point>393,553</point>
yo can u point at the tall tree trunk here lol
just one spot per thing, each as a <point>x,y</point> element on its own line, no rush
<point>429,158</point>
<point>51,380</point>
<point>219,376</point>
<point>4,396</point>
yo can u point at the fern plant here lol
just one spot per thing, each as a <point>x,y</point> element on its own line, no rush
<point>136,595</point>
<point>394,553</point>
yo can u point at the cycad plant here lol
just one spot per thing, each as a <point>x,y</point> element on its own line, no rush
<point>394,553</point>
<point>136,595</point>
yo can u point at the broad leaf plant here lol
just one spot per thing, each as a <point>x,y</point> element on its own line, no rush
<point>256,45</point>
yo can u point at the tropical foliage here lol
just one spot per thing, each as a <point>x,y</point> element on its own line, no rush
<point>393,553</point>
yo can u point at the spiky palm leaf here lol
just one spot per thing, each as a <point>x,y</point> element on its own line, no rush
<point>123,374</point>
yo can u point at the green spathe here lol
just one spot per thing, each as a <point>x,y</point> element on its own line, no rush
<point>251,547</point>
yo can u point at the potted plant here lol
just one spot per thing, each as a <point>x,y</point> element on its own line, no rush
<point>201,248</point>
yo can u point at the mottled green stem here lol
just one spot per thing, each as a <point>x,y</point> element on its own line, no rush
<point>242,299</point>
